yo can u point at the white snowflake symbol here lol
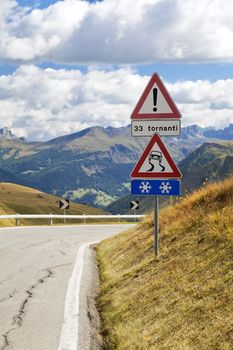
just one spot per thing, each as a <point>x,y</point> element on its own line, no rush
<point>145,187</point>
<point>165,187</point>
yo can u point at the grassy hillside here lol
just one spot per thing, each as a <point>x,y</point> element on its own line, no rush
<point>25,200</point>
<point>182,300</point>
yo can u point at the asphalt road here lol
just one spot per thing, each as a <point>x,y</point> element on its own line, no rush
<point>47,283</point>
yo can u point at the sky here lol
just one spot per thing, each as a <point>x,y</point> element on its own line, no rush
<point>67,65</point>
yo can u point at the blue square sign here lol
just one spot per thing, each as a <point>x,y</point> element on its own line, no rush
<point>156,187</point>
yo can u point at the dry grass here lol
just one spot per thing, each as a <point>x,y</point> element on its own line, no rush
<point>184,299</point>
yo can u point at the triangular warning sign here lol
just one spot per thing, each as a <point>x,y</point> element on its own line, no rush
<point>155,102</point>
<point>156,162</point>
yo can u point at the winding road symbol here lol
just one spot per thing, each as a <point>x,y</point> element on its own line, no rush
<point>155,155</point>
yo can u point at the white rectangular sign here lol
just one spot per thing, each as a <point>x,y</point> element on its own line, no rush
<point>150,127</point>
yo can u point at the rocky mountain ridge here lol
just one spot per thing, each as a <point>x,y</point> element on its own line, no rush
<point>6,133</point>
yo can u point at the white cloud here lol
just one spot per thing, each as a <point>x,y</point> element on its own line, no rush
<point>118,31</point>
<point>44,103</point>
<point>47,103</point>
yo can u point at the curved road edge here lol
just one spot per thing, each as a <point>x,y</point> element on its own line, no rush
<point>81,325</point>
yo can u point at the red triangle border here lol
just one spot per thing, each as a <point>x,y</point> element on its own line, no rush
<point>175,174</point>
<point>175,112</point>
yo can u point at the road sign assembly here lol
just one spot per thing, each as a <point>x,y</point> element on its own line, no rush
<point>64,204</point>
<point>155,102</point>
<point>155,114</point>
<point>134,205</point>
<point>155,187</point>
<point>150,127</point>
<point>156,162</point>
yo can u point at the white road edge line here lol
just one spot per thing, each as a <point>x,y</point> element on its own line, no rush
<point>69,333</point>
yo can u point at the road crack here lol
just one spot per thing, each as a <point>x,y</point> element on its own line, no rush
<point>36,244</point>
<point>63,253</point>
<point>9,296</point>
<point>6,280</point>
<point>17,320</point>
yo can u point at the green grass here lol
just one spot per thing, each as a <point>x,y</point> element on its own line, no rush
<point>101,198</point>
<point>182,300</point>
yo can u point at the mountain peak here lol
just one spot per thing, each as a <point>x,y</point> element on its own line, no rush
<point>6,133</point>
<point>192,130</point>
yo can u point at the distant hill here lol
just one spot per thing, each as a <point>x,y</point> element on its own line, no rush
<point>210,162</point>
<point>24,200</point>
<point>91,166</point>
<point>182,299</point>
<point>6,176</point>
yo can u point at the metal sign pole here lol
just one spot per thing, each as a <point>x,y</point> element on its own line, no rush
<point>64,216</point>
<point>156,223</point>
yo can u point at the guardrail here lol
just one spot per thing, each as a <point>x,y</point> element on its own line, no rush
<point>51,217</point>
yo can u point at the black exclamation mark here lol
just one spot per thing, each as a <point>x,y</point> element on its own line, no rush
<point>155,94</point>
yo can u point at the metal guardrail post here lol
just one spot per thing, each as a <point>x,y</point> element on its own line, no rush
<point>64,216</point>
<point>84,219</point>
<point>17,221</point>
<point>51,219</point>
